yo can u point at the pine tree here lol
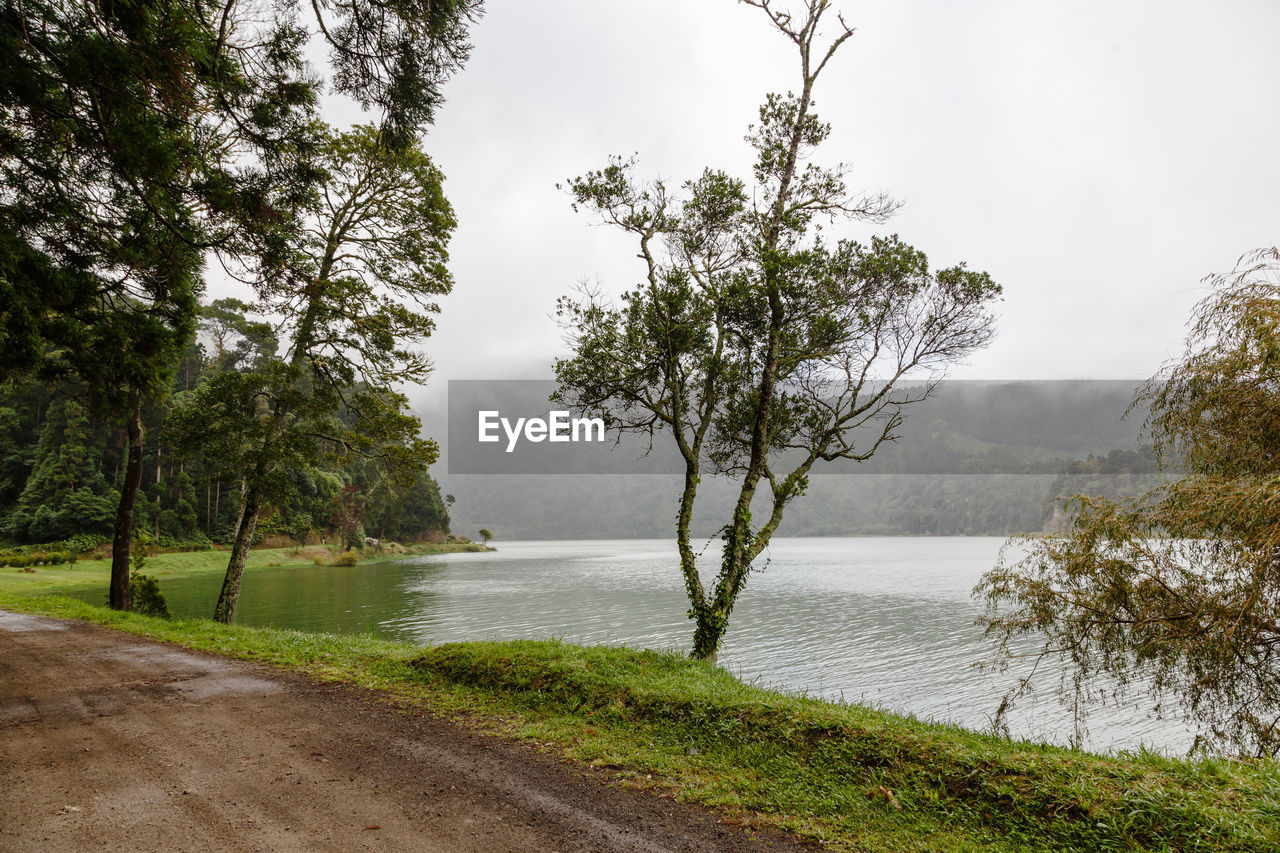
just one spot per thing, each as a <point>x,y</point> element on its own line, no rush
<point>66,493</point>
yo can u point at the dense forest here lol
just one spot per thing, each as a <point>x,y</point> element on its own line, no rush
<point>61,467</point>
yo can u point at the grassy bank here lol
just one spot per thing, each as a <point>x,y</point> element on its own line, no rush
<point>853,778</point>
<point>97,572</point>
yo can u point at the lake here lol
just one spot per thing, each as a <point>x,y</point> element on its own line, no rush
<point>886,621</point>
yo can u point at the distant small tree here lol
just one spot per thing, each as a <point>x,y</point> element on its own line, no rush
<point>485,535</point>
<point>299,527</point>
<point>760,346</point>
<point>1176,592</point>
<point>146,597</point>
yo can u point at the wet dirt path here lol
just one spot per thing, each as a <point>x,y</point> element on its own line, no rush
<point>111,742</point>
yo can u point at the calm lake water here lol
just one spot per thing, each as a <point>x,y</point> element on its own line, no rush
<point>884,621</point>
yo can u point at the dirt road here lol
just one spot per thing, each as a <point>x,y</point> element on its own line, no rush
<point>110,742</point>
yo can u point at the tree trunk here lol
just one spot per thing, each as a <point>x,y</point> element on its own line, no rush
<point>704,646</point>
<point>706,637</point>
<point>740,544</point>
<point>239,554</point>
<point>118,596</point>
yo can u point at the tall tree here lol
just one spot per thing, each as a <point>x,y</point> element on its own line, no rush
<point>99,142</point>
<point>761,347</point>
<point>66,492</point>
<point>1176,594</point>
<point>21,407</point>
<point>367,268</point>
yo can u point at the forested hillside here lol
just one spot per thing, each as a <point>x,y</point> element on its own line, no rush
<point>61,467</point>
<point>981,459</point>
<point>593,507</point>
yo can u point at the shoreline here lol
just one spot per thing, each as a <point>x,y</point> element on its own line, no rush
<point>87,573</point>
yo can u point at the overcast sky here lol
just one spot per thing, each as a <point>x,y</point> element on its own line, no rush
<point>1097,158</point>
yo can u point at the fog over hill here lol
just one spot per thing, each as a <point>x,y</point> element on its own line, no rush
<point>980,458</point>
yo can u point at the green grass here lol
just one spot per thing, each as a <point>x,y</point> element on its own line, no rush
<point>850,777</point>
<point>84,573</point>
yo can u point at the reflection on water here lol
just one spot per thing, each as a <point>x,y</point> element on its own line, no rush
<point>886,621</point>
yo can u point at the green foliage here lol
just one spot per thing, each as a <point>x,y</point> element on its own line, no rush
<point>239,342</point>
<point>185,494</point>
<point>132,139</point>
<point>1175,594</point>
<point>21,406</point>
<point>347,514</point>
<point>83,543</point>
<point>375,259</point>
<point>143,547</point>
<point>65,494</point>
<point>396,56</point>
<point>144,590</point>
<point>146,597</point>
<point>308,502</point>
<point>359,290</point>
<point>99,249</point>
<point>300,526</point>
<point>415,514</point>
<point>37,558</point>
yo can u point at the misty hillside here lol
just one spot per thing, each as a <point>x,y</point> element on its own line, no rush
<point>982,458</point>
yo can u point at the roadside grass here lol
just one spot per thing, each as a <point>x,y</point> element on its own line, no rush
<point>852,778</point>
<point>84,573</point>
